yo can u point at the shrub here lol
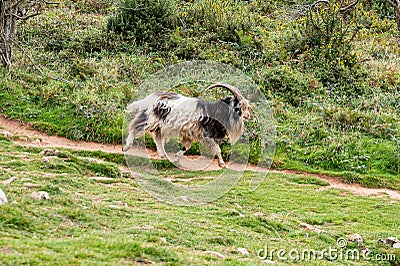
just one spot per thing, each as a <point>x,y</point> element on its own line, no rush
<point>223,18</point>
<point>322,42</point>
<point>288,83</point>
<point>382,7</point>
<point>90,6</point>
<point>145,21</point>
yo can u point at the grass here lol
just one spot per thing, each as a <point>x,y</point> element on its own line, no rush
<point>89,221</point>
<point>331,118</point>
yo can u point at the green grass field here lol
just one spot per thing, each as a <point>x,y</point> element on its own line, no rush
<point>98,214</point>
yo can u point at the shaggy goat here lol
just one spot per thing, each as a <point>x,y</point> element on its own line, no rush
<point>168,114</point>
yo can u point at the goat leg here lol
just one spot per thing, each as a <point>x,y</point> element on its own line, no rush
<point>136,129</point>
<point>214,148</point>
<point>186,145</point>
<point>221,162</point>
<point>159,143</point>
<point>129,140</point>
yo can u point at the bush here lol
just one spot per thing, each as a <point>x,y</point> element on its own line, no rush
<point>225,19</point>
<point>322,42</point>
<point>145,21</point>
<point>382,7</point>
<point>289,84</point>
<point>90,6</point>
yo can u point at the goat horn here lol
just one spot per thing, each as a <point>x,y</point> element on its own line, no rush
<point>235,91</point>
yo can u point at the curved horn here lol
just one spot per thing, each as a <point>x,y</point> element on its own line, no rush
<point>235,91</point>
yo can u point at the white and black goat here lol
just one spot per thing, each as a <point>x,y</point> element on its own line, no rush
<point>167,114</point>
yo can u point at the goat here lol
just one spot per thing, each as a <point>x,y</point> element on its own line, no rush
<point>167,114</point>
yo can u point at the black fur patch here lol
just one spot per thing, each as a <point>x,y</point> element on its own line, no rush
<point>235,104</point>
<point>218,115</point>
<point>140,120</point>
<point>212,128</point>
<point>169,95</point>
<point>161,110</point>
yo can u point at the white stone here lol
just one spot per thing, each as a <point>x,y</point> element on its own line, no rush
<point>355,238</point>
<point>243,251</point>
<point>215,254</point>
<point>40,195</point>
<point>3,198</point>
<point>10,180</point>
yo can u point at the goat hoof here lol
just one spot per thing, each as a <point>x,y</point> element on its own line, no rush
<point>223,165</point>
<point>125,148</point>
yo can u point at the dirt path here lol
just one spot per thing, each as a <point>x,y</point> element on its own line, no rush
<point>39,139</point>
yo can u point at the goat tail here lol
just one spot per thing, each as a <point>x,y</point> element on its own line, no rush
<point>140,110</point>
<point>143,104</point>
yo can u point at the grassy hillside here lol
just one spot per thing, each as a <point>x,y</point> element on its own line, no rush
<point>333,85</point>
<point>98,215</point>
<point>332,81</point>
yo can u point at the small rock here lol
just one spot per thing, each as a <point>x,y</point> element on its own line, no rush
<point>392,241</point>
<point>29,184</point>
<point>48,159</point>
<point>117,207</point>
<point>238,206</point>
<point>184,198</point>
<point>6,134</point>
<point>136,175</point>
<point>268,261</point>
<point>146,261</point>
<point>236,212</point>
<point>356,238</point>
<point>121,203</point>
<point>187,199</point>
<point>40,195</point>
<point>243,251</point>
<point>163,239</point>
<point>24,84</point>
<point>3,198</point>
<point>50,152</point>
<point>6,250</point>
<point>312,228</point>
<point>10,180</point>
<point>273,215</point>
<point>259,214</point>
<point>215,254</point>
<point>144,227</point>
